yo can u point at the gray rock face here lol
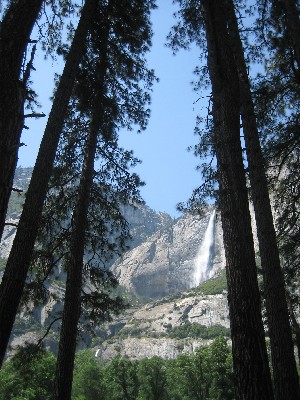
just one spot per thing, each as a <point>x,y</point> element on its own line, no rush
<point>144,222</point>
<point>137,349</point>
<point>165,262</point>
<point>155,319</point>
<point>8,236</point>
<point>162,261</point>
<point>21,181</point>
<point>206,310</point>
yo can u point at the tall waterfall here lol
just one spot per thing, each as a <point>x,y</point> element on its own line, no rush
<point>202,263</point>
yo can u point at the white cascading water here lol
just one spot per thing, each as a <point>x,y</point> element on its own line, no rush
<point>202,270</point>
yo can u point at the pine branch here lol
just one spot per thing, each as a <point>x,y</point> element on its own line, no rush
<point>48,330</point>
<point>29,66</point>
<point>35,115</point>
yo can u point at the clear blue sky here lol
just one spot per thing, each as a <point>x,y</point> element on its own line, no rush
<point>167,168</point>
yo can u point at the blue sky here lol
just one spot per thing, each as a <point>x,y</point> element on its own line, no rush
<point>167,168</point>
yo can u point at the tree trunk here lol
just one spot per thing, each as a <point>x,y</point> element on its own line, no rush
<point>15,31</point>
<point>18,262</point>
<point>72,304</point>
<point>250,360</point>
<point>283,361</point>
<point>293,25</point>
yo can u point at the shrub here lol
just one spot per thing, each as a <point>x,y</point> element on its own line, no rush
<point>196,331</point>
<point>216,285</point>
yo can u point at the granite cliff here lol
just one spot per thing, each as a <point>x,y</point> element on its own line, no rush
<point>160,270</point>
<point>166,262</point>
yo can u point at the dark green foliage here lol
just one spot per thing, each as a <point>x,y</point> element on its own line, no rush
<point>153,379</point>
<point>88,378</point>
<point>122,377</point>
<point>124,93</point>
<point>196,331</point>
<point>207,373</point>
<point>132,331</point>
<point>222,374</point>
<point>216,285</point>
<point>277,94</point>
<point>192,375</point>
<point>28,375</point>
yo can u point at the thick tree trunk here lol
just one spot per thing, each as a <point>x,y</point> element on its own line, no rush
<point>15,31</point>
<point>250,360</point>
<point>18,262</point>
<point>286,380</point>
<point>293,24</point>
<point>72,304</point>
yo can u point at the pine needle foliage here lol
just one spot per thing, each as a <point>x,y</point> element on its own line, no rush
<point>125,97</point>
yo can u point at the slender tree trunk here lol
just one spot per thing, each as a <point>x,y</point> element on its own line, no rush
<point>286,380</point>
<point>15,31</point>
<point>293,25</point>
<point>14,277</point>
<point>250,360</point>
<point>72,304</point>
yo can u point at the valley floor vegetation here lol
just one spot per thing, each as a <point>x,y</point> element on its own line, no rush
<point>205,375</point>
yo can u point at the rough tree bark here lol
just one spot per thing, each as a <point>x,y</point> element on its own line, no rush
<point>285,374</point>
<point>15,31</point>
<point>17,266</point>
<point>250,361</point>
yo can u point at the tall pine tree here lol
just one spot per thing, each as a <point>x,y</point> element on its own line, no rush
<point>285,374</point>
<point>277,94</point>
<point>18,263</point>
<point>15,30</point>
<point>115,72</point>
<point>253,380</point>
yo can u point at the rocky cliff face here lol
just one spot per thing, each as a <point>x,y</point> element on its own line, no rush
<point>21,182</point>
<point>147,331</point>
<point>142,220</point>
<point>165,263</point>
<point>164,256</point>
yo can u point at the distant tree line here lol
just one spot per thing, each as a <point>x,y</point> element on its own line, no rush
<point>205,375</point>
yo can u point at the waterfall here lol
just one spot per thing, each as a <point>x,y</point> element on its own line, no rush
<point>202,263</point>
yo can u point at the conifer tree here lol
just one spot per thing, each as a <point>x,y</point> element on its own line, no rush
<point>15,66</point>
<point>285,374</point>
<point>291,9</point>
<point>115,73</point>
<point>250,359</point>
<point>18,263</point>
<point>277,94</point>
<point>15,31</point>
<point>251,365</point>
